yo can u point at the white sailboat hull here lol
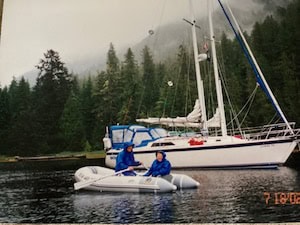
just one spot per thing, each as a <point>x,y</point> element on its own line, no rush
<point>216,153</point>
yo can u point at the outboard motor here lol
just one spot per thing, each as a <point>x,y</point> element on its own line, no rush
<point>107,143</point>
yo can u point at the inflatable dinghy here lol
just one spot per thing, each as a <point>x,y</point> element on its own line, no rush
<point>102,179</point>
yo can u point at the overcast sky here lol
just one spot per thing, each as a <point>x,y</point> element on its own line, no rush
<point>77,29</point>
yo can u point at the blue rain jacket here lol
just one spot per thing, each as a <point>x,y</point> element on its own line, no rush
<point>159,168</point>
<point>126,159</point>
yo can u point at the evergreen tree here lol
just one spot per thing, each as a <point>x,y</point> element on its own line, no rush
<point>87,110</point>
<point>20,95</point>
<point>234,69</point>
<point>21,138</point>
<point>5,114</point>
<point>290,92</point>
<point>5,117</point>
<point>50,95</point>
<point>131,83</point>
<point>107,94</point>
<point>150,93</point>
<point>101,121</point>
<point>72,124</point>
<point>13,104</point>
<point>165,88</point>
<point>108,89</point>
<point>180,98</point>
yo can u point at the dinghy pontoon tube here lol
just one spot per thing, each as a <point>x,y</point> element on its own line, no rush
<point>121,183</point>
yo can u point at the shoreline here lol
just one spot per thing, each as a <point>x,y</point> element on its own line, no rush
<point>57,157</point>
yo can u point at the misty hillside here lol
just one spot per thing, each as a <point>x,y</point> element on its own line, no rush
<point>164,40</point>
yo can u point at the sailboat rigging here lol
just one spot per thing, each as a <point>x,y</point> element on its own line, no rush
<point>257,71</point>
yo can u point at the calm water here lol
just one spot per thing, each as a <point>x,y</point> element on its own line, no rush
<point>42,192</point>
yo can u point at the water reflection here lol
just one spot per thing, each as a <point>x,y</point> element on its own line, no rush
<point>163,208</point>
<point>128,208</point>
<point>43,193</point>
<point>124,208</point>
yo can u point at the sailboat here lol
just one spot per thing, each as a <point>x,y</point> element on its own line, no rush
<point>268,148</point>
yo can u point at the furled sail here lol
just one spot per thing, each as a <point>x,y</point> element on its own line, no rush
<point>193,119</point>
<point>215,121</point>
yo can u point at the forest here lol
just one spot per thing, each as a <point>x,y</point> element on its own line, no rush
<point>62,112</point>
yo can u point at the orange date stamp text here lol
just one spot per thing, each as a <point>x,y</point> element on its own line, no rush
<point>282,198</point>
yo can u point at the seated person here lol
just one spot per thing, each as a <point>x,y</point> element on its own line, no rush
<point>160,166</point>
<point>125,160</point>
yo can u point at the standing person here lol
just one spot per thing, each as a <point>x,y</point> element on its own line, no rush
<point>160,166</point>
<point>125,160</point>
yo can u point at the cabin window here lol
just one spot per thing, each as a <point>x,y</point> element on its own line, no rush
<point>128,135</point>
<point>161,132</point>
<point>141,136</point>
<point>154,134</point>
<point>117,136</point>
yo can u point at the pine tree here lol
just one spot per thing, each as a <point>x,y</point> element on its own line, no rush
<point>185,83</point>
<point>150,93</point>
<point>20,96</point>
<point>50,95</point>
<point>110,92</point>
<point>5,118</point>
<point>107,94</point>
<point>13,105</point>
<point>72,124</point>
<point>234,70</point>
<point>4,109</point>
<point>131,83</point>
<point>87,110</point>
<point>290,91</point>
<point>163,104</point>
<point>21,138</point>
<point>99,97</point>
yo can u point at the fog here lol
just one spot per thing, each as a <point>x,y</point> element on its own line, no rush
<point>83,29</point>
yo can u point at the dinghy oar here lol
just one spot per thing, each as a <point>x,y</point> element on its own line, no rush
<point>83,184</point>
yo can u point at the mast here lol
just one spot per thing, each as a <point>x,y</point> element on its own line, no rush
<point>216,73</point>
<point>198,74</point>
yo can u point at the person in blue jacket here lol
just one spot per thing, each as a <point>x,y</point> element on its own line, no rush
<point>160,166</point>
<point>125,159</point>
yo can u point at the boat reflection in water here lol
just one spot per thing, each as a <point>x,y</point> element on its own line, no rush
<point>124,208</point>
